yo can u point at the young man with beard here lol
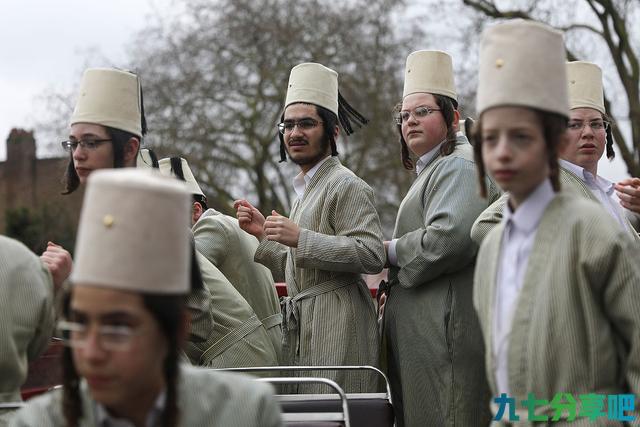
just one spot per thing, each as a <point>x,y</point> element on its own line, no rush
<point>332,236</point>
<point>589,132</point>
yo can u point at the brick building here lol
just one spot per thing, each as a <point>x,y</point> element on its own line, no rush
<point>32,208</point>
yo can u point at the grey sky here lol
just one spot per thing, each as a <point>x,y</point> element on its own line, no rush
<point>45,43</point>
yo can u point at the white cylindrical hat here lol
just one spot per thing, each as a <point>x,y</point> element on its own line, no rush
<point>585,86</point>
<point>522,64</point>
<point>110,97</point>
<point>429,71</point>
<point>314,84</point>
<point>123,247</point>
<point>182,171</point>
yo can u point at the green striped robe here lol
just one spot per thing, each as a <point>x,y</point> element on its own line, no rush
<point>569,183</point>
<point>221,240</point>
<point>340,238</point>
<point>206,398</point>
<point>576,326</point>
<point>27,316</point>
<point>225,331</point>
<point>434,348</point>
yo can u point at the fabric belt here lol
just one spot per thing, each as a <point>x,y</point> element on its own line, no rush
<point>289,305</point>
<point>272,321</point>
<point>231,338</point>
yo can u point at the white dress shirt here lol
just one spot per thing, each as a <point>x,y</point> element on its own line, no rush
<point>602,188</point>
<point>301,180</point>
<point>517,241</point>
<point>154,418</point>
<point>421,163</point>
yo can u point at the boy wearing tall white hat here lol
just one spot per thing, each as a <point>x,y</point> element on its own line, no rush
<point>557,283</point>
<point>241,293</point>
<point>332,236</point>
<point>589,131</point>
<point>431,335</point>
<point>106,129</point>
<point>125,320</point>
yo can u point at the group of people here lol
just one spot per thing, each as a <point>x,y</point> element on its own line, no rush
<point>513,269</point>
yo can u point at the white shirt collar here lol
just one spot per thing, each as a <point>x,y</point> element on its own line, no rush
<point>604,184</point>
<point>301,180</point>
<point>424,160</point>
<point>528,215</point>
<point>153,417</point>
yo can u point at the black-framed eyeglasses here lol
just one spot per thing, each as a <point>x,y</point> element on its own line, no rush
<point>89,144</point>
<point>595,125</point>
<point>417,113</point>
<point>303,124</point>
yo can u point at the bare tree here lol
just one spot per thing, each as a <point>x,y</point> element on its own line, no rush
<point>592,27</point>
<point>215,78</point>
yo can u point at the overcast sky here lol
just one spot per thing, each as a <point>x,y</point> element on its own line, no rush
<point>45,43</point>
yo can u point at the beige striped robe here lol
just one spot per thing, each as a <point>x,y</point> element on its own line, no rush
<point>330,316</point>
<point>225,331</point>
<point>27,316</point>
<point>206,398</point>
<point>569,183</point>
<point>434,347</point>
<point>576,326</point>
<point>221,240</point>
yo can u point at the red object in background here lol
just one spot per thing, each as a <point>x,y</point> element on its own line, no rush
<point>44,372</point>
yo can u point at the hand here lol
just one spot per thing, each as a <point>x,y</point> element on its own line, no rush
<point>628,190</point>
<point>58,260</point>
<point>250,218</point>
<point>282,230</point>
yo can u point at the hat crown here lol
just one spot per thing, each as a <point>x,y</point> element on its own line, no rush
<point>429,71</point>
<point>585,86</point>
<point>167,170</point>
<point>522,63</point>
<point>110,97</point>
<point>120,247</point>
<point>314,84</point>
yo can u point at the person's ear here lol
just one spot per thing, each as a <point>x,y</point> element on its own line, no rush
<point>196,212</point>
<point>131,151</point>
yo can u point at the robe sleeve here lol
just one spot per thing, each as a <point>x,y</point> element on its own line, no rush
<point>614,263</point>
<point>272,255</point>
<point>357,245</point>
<point>443,245</point>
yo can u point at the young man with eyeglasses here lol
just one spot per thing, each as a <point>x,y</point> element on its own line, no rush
<point>333,236</point>
<point>125,320</point>
<point>431,335</point>
<point>589,132</point>
<point>106,128</point>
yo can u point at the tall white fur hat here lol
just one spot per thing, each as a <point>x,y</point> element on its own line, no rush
<point>110,97</point>
<point>522,64</point>
<point>429,71</point>
<point>120,247</point>
<point>585,86</point>
<point>315,84</point>
<point>166,169</point>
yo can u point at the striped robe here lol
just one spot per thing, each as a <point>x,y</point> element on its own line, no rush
<point>225,331</point>
<point>434,348</point>
<point>576,326</point>
<point>221,240</point>
<point>27,316</point>
<point>206,398</point>
<point>569,183</point>
<point>330,318</point>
